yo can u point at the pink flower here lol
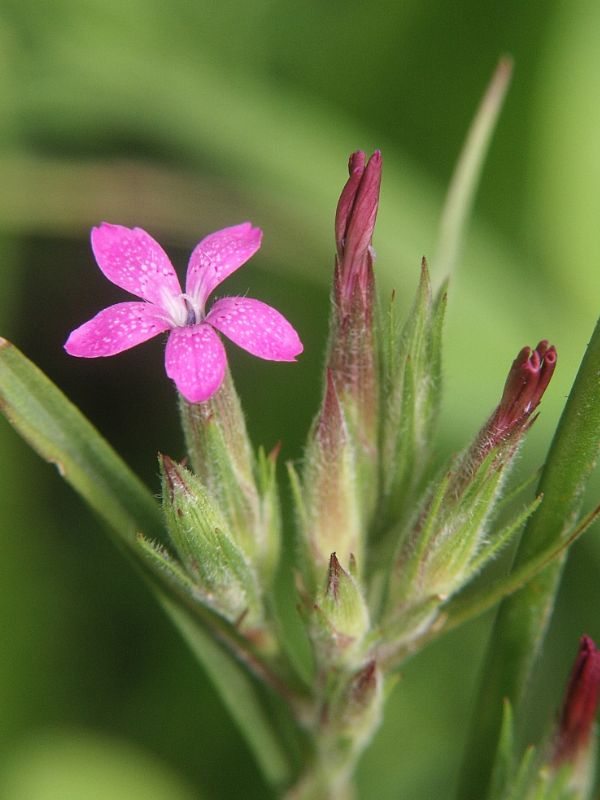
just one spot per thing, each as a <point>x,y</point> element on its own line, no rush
<point>195,357</point>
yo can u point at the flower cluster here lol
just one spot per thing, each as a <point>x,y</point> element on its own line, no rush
<point>387,538</point>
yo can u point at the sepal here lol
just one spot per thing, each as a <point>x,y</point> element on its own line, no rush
<point>221,455</point>
<point>269,533</point>
<point>412,388</point>
<point>330,509</point>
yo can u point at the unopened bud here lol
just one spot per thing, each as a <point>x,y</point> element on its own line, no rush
<point>354,224</point>
<point>217,566</point>
<point>580,704</point>
<point>449,541</point>
<point>525,385</point>
<point>333,521</point>
<point>352,357</point>
<point>527,380</point>
<point>342,617</point>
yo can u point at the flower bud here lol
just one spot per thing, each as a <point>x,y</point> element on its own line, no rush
<point>341,616</point>
<point>525,385</point>
<point>352,358</point>
<point>354,224</point>
<point>222,457</point>
<point>502,434</point>
<point>566,768</point>
<point>340,476</point>
<point>580,705</point>
<point>449,541</point>
<point>216,564</point>
<point>332,520</point>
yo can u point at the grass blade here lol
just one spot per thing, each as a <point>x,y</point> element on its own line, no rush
<point>465,179</point>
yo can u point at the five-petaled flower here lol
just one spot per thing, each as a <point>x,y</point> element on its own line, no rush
<point>195,357</point>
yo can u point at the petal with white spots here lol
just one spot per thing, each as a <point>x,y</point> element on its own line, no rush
<point>115,329</point>
<point>195,359</point>
<point>257,327</point>
<point>217,256</point>
<point>133,260</point>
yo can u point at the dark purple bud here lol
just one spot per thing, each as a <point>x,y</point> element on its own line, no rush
<point>356,168</point>
<point>354,224</point>
<point>527,380</point>
<point>581,701</point>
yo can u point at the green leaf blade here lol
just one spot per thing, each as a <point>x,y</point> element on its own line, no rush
<point>60,434</point>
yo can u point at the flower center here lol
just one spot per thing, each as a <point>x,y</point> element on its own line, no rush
<point>181,310</point>
<point>191,316</point>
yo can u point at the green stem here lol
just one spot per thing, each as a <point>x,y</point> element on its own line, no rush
<point>523,618</point>
<point>327,778</point>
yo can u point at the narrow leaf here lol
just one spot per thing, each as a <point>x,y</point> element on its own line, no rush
<point>503,767</point>
<point>465,180</point>
<point>474,602</point>
<point>58,431</point>
<point>499,539</point>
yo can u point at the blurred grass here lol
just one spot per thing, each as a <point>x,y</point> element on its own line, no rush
<point>185,117</point>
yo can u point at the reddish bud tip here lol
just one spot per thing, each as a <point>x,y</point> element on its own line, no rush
<point>173,473</point>
<point>365,683</point>
<point>581,702</point>
<point>274,454</point>
<point>527,380</point>
<point>333,576</point>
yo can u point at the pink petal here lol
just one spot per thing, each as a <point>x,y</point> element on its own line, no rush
<point>195,359</point>
<point>255,326</point>
<point>115,329</point>
<point>131,259</point>
<point>217,256</point>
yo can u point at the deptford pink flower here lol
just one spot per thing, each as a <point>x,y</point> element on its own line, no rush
<point>195,357</point>
<point>580,705</point>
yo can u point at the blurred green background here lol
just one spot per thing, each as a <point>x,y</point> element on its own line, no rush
<point>184,117</point>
